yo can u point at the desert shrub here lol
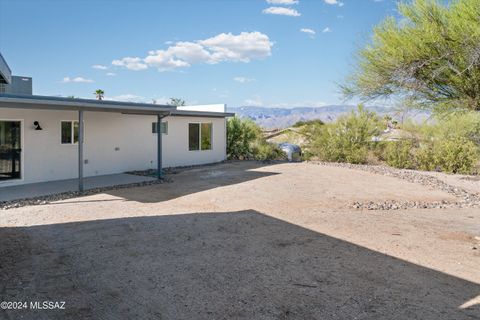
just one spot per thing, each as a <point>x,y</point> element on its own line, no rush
<point>348,139</point>
<point>245,141</point>
<point>399,154</point>
<point>425,157</point>
<point>241,134</point>
<point>265,151</point>
<point>450,144</point>
<point>458,155</point>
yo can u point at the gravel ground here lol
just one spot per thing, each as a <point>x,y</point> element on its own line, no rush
<point>245,240</point>
<point>466,198</point>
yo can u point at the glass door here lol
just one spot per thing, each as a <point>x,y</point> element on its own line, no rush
<point>10,150</point>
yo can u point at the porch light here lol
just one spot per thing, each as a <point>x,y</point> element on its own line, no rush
<point>36,125</point>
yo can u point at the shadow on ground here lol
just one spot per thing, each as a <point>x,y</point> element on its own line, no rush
<point>242,265</point>
<point>190,181</point>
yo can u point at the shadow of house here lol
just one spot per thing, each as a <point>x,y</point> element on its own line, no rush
<point>241,265</point>
<point>195,180</point>
<point>189,181</point>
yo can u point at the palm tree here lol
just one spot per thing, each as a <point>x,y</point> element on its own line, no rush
<point>99,94</point>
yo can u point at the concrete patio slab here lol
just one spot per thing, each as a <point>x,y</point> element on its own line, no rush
<point>33,190</point>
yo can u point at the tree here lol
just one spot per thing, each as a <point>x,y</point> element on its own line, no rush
<point>99,93</point>
<point>177,102</point>
<point>430,58</point>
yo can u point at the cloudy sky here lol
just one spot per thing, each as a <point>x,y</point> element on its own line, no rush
<point>282,53</point>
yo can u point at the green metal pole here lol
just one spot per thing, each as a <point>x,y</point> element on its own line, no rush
<point>159,146</point>
<point>80,151</point>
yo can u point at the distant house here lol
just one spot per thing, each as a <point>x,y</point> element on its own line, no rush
<point>45,138</point>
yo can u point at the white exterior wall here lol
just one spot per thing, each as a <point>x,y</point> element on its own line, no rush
<point>44,158</point>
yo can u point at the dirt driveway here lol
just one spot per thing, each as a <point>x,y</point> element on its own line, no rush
<point>244,240</point>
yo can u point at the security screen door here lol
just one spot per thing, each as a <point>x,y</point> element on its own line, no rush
<point>10,150</point>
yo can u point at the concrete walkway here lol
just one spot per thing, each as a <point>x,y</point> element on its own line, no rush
<point>33,190</point>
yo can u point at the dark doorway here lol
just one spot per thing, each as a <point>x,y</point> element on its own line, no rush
<point>10,150</point>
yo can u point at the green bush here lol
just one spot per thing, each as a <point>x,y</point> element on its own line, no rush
<point>425,157</point>
<point>398,154</point>
<point>349,139</point>
<point>458,155</point>
<point>245,141</point>
<point>265,151</point>
<point>241,134</point>
<point>450,144</point>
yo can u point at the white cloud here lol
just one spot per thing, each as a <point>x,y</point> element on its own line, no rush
<point>243,79</point>
<point>282,11</point>
<point>111,74</point>
<point>243,47</point>
<point>130,63</point>
<point>332,2</point>
<point>309,31</point>
<point>283,2</point>
<point>326,30</point>
<point>99,67</point>
<point>239,48</point>
<point>77,79</point>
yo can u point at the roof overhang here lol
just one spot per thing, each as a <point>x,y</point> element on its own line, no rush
<point>206,114</point>
<point>73,104</point>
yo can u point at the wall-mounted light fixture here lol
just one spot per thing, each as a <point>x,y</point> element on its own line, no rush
<point>36,125</point>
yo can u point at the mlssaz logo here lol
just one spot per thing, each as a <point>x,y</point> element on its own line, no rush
<point>47,305</point>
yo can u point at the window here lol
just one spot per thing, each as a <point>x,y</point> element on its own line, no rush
<point>199,136</point>
<point>163,127</point>
<point>70,131</point>
<point>206,134</point>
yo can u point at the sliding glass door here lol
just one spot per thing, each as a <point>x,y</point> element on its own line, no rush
<point>10,150</point>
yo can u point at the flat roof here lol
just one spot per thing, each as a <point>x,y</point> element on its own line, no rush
<point>76,104</point>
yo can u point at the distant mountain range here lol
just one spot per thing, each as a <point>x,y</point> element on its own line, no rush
<point>269,117</point>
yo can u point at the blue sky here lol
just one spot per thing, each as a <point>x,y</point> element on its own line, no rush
<point>239,52</point>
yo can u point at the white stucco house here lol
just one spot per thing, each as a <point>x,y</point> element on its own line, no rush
<point>46,138</point>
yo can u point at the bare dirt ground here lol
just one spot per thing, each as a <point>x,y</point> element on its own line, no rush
<point>245,240</point>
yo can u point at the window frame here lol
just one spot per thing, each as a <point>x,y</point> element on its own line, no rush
<point>72,132</point>
<point>165,125</point>
<point>22,142</point>
<point>200,136</point>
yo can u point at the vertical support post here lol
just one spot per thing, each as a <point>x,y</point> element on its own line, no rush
<point>80,151</point>
<point>159,146</point>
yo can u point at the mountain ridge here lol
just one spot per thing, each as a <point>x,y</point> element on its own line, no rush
<point>274,117</point>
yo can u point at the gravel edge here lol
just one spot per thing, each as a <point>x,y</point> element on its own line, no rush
<point>466,199</point>
<point>42,200</point>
